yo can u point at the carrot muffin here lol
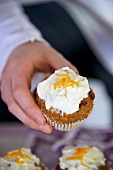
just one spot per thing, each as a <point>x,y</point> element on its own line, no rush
<point>21,159</point>
<point>65,99</point>
<point>82,158</point>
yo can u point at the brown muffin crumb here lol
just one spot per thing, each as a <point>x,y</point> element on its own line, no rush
<point>85,108</point>
<point>105,167</point>
<point>41,166</point>
<point>91,94</point>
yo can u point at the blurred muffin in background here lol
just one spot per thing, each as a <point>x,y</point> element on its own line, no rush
<point>82,158</point>
<point>21,159</point>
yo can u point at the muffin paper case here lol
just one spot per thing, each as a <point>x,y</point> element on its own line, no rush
<point>64,127</point>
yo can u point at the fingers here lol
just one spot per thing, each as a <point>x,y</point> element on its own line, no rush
<point>23,62</point>
<point>23,96</point>
<point>62,62</point>
<point>29,119</point>
<point>56,60</point>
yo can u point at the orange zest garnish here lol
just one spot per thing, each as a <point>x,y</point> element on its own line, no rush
<point>79,154</point>
<point>65,81</point>
<point>17,156</point>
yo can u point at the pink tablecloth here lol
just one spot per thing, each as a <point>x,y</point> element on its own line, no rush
<point>48,147</point>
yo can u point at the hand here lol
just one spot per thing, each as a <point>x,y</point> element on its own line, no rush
<point>23,62</point>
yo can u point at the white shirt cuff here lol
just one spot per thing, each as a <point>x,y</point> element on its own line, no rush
<point>15,29</point>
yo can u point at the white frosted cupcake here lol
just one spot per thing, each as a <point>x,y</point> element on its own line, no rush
<point>82,158</point>
<point>65,99</point>
<point>21,159</point>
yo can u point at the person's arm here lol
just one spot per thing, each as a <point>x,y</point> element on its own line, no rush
<point>21,58</point>
<point>15,29</point>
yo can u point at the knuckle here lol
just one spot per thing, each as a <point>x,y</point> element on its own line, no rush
<point>28,123</point>
<point>31,124</point>
<point>14,62</point>
<point>16,90</point>
<point>11,107</point>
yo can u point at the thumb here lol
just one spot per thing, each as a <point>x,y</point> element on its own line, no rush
<point>58,61</point>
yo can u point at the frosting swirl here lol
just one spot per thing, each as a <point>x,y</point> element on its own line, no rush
<point>81,158</point>
<point>63,90</point>
<point>20,159</point>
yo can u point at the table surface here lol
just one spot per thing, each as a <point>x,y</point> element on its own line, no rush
<point>48,146</point>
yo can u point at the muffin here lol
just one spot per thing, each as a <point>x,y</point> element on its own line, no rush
<point>21,159</point>
<point>82,158</point>
<point>65,99</point>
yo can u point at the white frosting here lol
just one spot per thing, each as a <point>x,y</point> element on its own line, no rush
<point>63,99</point>
<point>90,160</point>
<point>26,160</point>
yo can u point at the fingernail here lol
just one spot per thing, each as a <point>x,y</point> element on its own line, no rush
<point>45,129</point>
<point>38,119</point>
